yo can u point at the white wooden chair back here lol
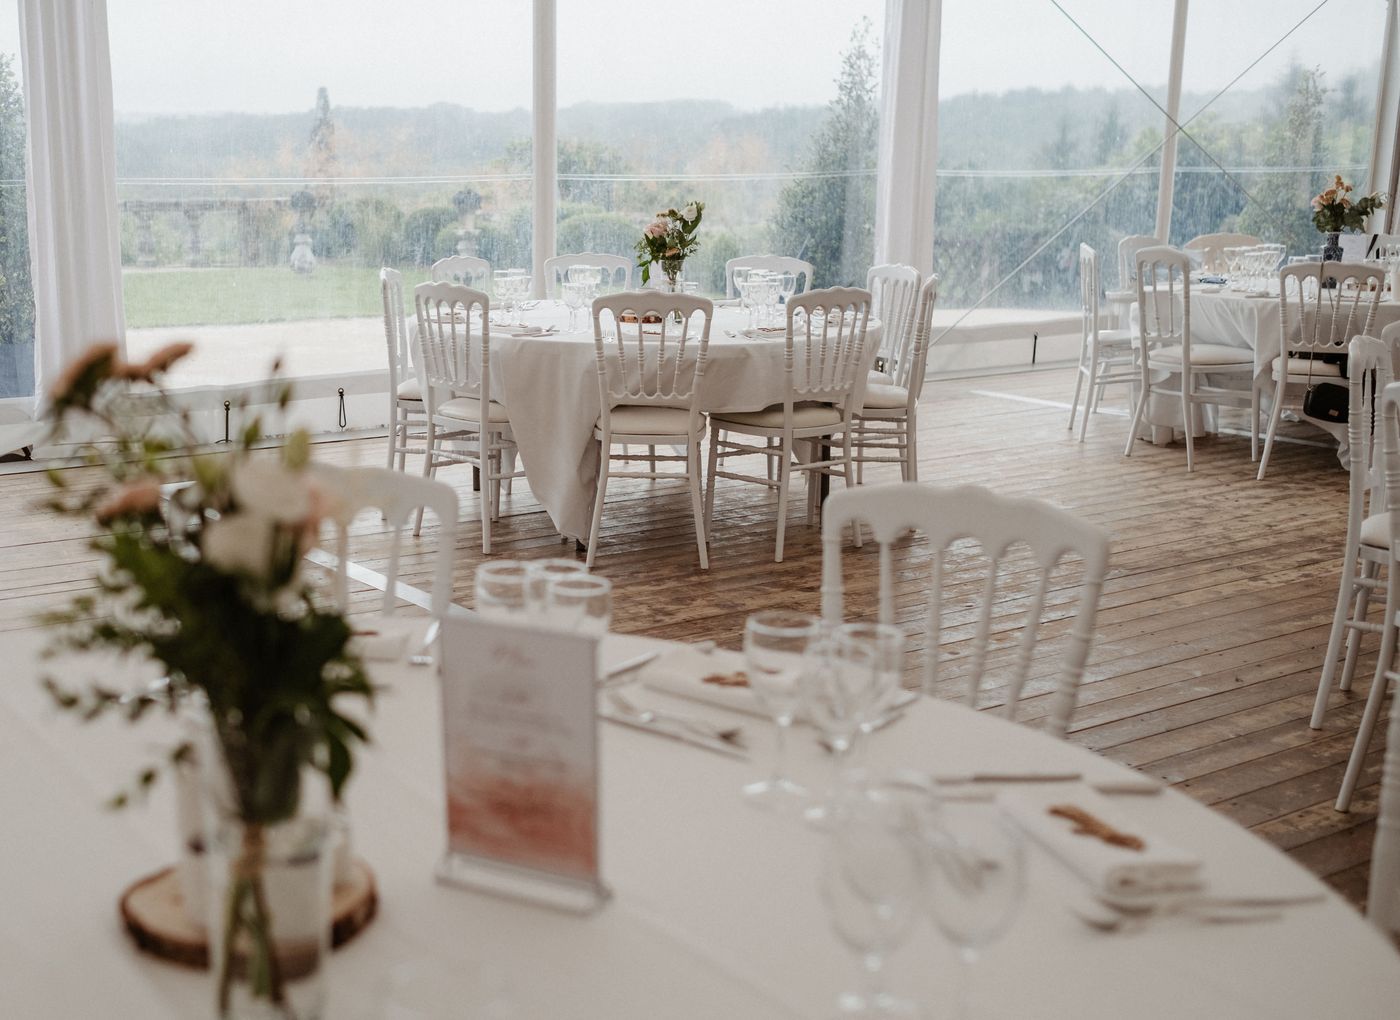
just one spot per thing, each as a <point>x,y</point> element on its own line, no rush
<point>1316,318</point>
<point>774,264</point>
<point>1089,291</point>
<point>910,372</point>
<point>894,293</point>
<point>396,497</point>
<point>454,342</point>
<point>1371,367</point>
<point>651,363</point>
<point>467,270</point>
<point>825,358</point>
<point>395,329</point>
<point>619,269</point>
<point>1383,896</point>
<point>1212,248</point>
<point>944,515</point>
<point>1128,249</point>
<point>1164,300</point>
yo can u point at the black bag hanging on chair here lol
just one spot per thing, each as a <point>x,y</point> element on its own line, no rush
<point>1326,401</point>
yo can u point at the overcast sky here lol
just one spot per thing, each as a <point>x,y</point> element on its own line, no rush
<point>190,56</point>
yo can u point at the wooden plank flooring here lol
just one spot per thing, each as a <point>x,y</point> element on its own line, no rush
<point>1210,637</point>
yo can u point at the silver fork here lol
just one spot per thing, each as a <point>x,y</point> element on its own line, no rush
<point>729,734</point>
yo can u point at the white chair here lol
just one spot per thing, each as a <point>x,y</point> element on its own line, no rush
<point>887,424</point>
<point>397,497</point>
<point>997,524</point>
<point>823,378</point>
<point>407,412</point>
<point>1212,248</point>
<point>773,263</point>
<point>1128,249</point>
<point>1163,347</point>
<point>894,295</point>
<point>1372,365</point>
<point>467,270</point>
<point>1383,894</point>
<point>649,382</point>
<point>619,269</point>
<point>454,350</point>
<point>1322,305</point>
<point>1105,355</point>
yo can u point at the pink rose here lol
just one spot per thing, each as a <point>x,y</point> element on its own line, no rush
<point>657,229</point>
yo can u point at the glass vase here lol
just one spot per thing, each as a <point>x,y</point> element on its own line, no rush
<point>1332,246</point>
<point>270,918</point>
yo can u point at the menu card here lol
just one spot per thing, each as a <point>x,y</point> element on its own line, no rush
<point>521,752</point>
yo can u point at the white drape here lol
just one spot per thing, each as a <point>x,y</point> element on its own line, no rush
<point>73,241</point>
<point>904,191</point>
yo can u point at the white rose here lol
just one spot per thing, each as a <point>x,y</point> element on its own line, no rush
<point>689,212</point>
<point>239,544</point>
<point>272,489</point>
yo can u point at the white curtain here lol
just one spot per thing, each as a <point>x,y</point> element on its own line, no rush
<point>904,193</point>
<point>73,240</point>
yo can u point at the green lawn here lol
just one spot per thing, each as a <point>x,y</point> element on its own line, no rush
<point>218,297</point>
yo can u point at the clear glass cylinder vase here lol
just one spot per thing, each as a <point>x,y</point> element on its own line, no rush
<point>270,918</point>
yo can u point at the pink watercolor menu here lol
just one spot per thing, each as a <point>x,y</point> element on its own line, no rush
<point>520,741</point>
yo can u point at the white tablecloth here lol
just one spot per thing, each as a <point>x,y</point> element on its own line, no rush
<point>716,910</point>
<point>549,386</point>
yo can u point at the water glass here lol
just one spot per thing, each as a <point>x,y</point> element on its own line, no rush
<point>871,885</point>
<point>540,574</point>
<point>501,590</point>
<point>775,648</point>
<point>976,880</point>
<point>841,687</point>
<point>581,603</point>
<point>576,297</point>
<point>882,646</point>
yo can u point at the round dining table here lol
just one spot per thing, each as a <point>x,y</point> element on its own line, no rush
<point>716,909</point>
<point>549,386</point>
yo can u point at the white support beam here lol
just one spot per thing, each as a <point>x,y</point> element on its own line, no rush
<point>1171,130</point>
<point>1385,141</point>
<point>545,148</point>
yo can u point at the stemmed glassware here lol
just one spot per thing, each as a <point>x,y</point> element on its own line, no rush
<point>540,574</point>
<point>775,647</point>
<point>576,297</point>
<point>501,589</point>
<point>975,880</point>
<point>510,285</point>
<point>1234,268</point>
<point>871,883</point>
<point>581,603</point>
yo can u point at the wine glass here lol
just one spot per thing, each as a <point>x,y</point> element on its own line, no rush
<point>841,684</point>
<point>883,647</point>
<point>787,287</point>
<point>976,880</point>
<point>500,589</point>
<point>501,289</point>
<point>1233,267</point>
<point>748,293</point>
<point>575,297</point>
<point>871,883</point>
<point>540,574</point>
<point>775,644</point>
<point>580,602</point>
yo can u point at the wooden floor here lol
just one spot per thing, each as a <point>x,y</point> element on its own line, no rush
<point>1212,625</point>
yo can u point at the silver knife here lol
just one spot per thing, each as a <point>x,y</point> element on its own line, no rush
<point>675,732</point>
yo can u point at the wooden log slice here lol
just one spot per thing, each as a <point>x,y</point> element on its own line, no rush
<point>153,913</point>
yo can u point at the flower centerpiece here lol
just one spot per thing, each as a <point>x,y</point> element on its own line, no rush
<point>1334,212</point>
<point>670,240</point>
<point>200,570</point>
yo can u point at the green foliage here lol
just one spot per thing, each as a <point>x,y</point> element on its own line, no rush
<point>583,229</point>
<point>378,231</point>
<point>421,231</point>
<point>16,291</point>
<point>670,240</point>
<point>828,218</point>
<point>503,239</point>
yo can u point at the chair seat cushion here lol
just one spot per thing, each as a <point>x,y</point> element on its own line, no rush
<point>469,409</point>
<point>1206,354</point>
<point>1115,337</point>
<point>805,415</point>
<point>1299,366</point>
<point>632,420</point>
<point>883,395</point>
<point>408,390</point>
<point>1375,531</point>
<point>880,377</point>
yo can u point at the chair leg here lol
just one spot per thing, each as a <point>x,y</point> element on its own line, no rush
<point>1088,396</point>
<point>1188,419</point>
<point>429,441</point>
<point>710,481</point>
<point>692,468</point>
<point>402,437</point>
<point>846,453</point>
<point>1136,420</point>
<point>1078,385</point>
<point>1334,640</point>
<point>395,423</point>
<point>509,456</point>
<point>1367,728</point>
<point>1254,422</point>
<point>488,487</point>
<point>1275,416</point>
<point>596,528</point>
<point>1370,571</point>
<point>911,447</point>
<point>784,476</point>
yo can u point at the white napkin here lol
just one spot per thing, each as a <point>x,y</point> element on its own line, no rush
<point>379,647</point>
<point>1110,870</point>
<point>680,671</point>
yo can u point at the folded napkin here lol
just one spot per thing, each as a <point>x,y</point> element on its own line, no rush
<point>536,331</point>
<point>1109,868</point>
<point>764,332</point>
<point>687,672</point>
<point>374,646</point>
